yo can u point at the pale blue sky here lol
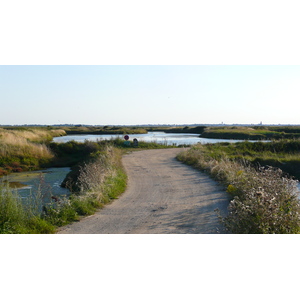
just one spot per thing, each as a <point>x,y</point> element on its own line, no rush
<point>149,62</point>
<point>107,95</point>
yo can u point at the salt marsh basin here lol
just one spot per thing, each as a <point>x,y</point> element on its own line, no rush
<point>47,181</point>
<point>153,136</point>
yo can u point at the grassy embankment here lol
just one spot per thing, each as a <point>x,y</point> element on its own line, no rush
<point>97,178</point>
<point>252,133</point>
<point>100,179</point>
<point>283,154</point>
<point>23,149</point>
<point>265,200</point>
<point>178,129</point>
<point>130,129</point>
<point>103,130</point>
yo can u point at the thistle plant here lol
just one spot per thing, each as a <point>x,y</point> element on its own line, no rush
<point>265,201</point>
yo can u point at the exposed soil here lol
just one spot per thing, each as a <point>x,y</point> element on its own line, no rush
<point>163,196</point>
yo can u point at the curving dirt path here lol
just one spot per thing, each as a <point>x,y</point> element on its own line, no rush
<point>163,196</point>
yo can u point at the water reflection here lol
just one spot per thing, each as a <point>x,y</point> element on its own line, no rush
<point>44,184</point>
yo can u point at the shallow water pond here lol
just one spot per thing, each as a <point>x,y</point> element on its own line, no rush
<point>43,183</point>
<point>153,136</point>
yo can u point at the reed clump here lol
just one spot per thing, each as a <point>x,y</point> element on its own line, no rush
<point>265,200</point>
<point>97,182</point>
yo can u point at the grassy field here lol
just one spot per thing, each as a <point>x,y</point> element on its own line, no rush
<point>32,134</point>
<point>130,129</point>
<point>103,130</point>
<point>265,199</point>
<point>283,154</point>
<point>178,129</point>
<point>252,133</point>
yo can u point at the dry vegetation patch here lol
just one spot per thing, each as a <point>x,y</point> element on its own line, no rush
<point>25,148</point>
<point>264,199</point>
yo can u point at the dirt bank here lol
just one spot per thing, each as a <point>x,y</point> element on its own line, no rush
<point>163,196</point>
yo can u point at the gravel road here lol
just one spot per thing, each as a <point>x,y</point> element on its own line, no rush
<point>163,196</point>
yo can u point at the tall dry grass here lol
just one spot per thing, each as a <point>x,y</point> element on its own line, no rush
<point>100,180</point>
<point>25,148</point>
<point>13,136</point>
<point>264,199</point>
<point>20,143</point>
<point>95,177</point>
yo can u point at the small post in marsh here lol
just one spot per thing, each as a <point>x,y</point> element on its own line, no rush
<point>135,142</point>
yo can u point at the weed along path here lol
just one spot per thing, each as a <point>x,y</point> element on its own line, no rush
<point>163,196</point>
